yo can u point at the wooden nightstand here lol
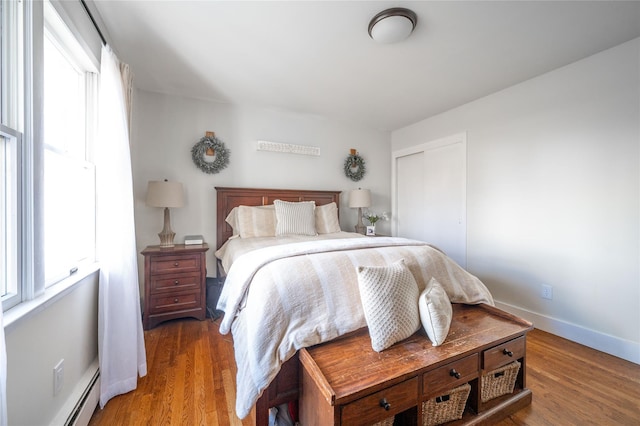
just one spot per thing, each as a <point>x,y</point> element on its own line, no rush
<point>174,283</point>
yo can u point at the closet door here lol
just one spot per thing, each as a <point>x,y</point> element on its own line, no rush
<point>411,198</point>
<point>430,194</point>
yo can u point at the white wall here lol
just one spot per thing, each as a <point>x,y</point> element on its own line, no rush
<point>553,196</point>
<point>66,328</point>
<point>165,128</point>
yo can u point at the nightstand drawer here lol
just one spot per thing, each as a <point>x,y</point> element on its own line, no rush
<point>370,409</point>
<point>449,376</point>
<point>161,303</point>
<point>175,282</point>
<point>503,354</point>
<point>168,264</point>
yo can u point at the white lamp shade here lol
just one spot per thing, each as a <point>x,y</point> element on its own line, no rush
<point>165,194</point>
<point>359,198</point>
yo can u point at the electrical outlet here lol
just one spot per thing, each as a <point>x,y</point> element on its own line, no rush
<point>58,377</point>
<point>547,292</point>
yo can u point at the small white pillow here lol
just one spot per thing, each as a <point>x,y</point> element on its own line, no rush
<point>258,221</point>
<point>327,221</point>
<point>389,297</point>
<point>435,312</point>
<point>295,218</point>
<point>232,220</point>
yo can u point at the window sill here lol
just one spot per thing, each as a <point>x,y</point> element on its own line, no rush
<point>51,295</point>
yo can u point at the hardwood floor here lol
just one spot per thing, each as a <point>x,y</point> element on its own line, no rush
<point>191,381</point>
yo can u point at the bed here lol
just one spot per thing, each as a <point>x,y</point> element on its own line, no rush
<point>297,290</point>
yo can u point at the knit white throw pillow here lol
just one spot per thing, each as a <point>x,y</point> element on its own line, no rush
<point>435,312</point>
<point>389,297</point>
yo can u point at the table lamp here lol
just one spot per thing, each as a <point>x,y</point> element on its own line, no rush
<point>359,198</point>
<point>165,194</point>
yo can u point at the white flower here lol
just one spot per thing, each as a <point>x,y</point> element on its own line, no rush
<point>374,217</point>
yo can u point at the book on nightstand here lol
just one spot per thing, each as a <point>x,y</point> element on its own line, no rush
<point>190,240</point>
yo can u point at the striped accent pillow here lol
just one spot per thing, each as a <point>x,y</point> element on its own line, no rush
<point>257,221</point>
<point>295,218</point>
<point>327,219</point>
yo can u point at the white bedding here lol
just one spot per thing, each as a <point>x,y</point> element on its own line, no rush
<point>236,247</point>
<point>280,299</point>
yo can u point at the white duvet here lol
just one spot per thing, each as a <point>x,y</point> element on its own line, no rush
<point>280,299</point>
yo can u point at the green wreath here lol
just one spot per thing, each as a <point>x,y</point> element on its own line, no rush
<point>354,167</point>
<point>207,146</point>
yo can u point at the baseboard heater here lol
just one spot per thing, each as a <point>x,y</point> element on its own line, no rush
<point>86,405</point>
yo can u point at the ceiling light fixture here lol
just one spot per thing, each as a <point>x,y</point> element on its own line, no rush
<point>392,25</point>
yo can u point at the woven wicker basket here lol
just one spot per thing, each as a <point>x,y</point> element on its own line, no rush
<point>500,381</point>
<point>445,408</point>
<point>386,422</point>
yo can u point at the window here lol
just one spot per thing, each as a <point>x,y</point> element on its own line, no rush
<point>47,181</point>
<point>69,176</point>
<point>11,113</point>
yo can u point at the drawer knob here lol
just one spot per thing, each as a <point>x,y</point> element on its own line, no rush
<point>175,300</point>
<point>454,373</point>
<point>176,282</point>
<point>176,264</point>
<point>507,352</point>
<point>384,404</point>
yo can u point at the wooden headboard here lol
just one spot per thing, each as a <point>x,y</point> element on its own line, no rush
<point>228,198</point>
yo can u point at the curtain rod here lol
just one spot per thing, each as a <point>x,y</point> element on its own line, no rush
<point>104,42</point>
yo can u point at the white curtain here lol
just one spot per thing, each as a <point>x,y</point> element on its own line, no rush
<point>120,337</point>
<point>3,373</point>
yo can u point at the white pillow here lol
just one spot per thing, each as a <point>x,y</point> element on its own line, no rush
<point>435,312</point>
<point>232,220</point>
<point>389,297</point>
<point>295,218</point>
<point>256,221</point>
<point>327,221</point>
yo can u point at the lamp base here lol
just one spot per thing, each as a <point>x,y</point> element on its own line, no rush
<point>166,239</point>
<point>166,235</point>
<point>360,228</point>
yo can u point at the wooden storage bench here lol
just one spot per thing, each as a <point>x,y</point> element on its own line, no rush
<point>345,382</point>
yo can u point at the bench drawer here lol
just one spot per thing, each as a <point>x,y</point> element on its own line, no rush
<point>449,376</point>
<point>370,409</point>
<point>503,354</point>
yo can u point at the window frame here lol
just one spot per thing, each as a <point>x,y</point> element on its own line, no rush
<point>58,33</point>
<point>11,223</point>
<point>13,72</point>
<point>30,245</point>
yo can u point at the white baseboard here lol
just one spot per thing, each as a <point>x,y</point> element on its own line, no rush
<point>88,406</point>
<point>612,345</point>
<point>79,408</point>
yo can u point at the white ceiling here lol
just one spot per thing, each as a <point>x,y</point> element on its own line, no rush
<point>316,57</point>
